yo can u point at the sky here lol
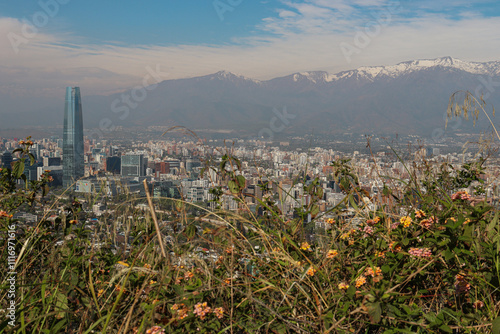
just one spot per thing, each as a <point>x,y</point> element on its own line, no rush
<point>110,46</point>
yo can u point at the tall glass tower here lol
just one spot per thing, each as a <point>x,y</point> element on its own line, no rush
<point>73,163</point>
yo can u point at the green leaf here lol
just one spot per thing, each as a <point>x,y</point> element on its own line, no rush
<point>61,304</point>
<point>18,169</point>
<point>233,187</point>
<point>190,232</point>
<point>446,328</point>
<point>495,329</point>
<point>375,312</point>
<point>241,181</point>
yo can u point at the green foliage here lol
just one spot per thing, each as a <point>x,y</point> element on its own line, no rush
<point>434,270</point>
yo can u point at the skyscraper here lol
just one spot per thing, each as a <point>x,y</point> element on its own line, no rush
<point>73,163</point>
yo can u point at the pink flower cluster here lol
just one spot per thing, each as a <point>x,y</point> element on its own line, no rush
<point>155,330</point>
<point>463,195</point>
<point>201,310</point>
<point>420,252</point>
<point>368,230</point>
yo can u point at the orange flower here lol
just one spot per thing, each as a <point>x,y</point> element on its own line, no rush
<point>419,214</point>
<point>332,253</point>
<point>360,281</point>
<point>311,271</point>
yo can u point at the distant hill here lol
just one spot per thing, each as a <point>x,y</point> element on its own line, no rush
<point>410,97</point>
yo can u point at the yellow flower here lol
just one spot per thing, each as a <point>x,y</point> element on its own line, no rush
<point>100,292</point>
<point>123,263</point>
<point>406,221</point>
<point>343,286</point>
<point>332,253</point>
<point>373,272</point>
<point>305,246</point>
<point>360,281</point>
<point>380,254</point>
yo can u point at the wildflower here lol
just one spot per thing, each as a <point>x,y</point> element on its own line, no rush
<point>406,221</point>
<point>343,286</point>
<point>73,221</point>
<point>201,310</point>
<point>155,330</point>
<point>125,264</point>
<point>380,255</point>
<point>100,292</point>
<point>467,221</point>
<point>395,225</point>
<point>420,252</point>
<point>276,249</point>
<point>181,310</point>
<point>227,281</point>
<point>330,221</point>
<point>147,266</point>
<point>368,230</point>
<point>4,214</point>
<point>219,312</point>
<point>360,281</point>
<point>332,253</point>
<point>188,275</point>
<point>305,246</point>
<point>373,272</point>
<point>478,304</point>
<point>151,282</point>
<point>419,214</point>
<point>229,250</point>
<point>119,288</point>
<point>463,195</point>
<point>426,223</point>
<point>311,271</point>
<point>345,236</point>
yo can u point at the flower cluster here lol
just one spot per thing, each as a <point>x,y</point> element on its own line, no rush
<point>375,273</point>
<point>188,275</point>
<point>330,221</point>
<point>201,310</point>
<point>219,312</point>
<point>181,310</point>
<point>155,330</point>
<point>368,230</point>
<point>406,221</point>
<point>311,271</point>
<point>463,195</point>
<point>420,252</point>
<point>380,255</point>
<point>343,286</point>
<point>27,142</point>
<point>419,214</point>
<point>373,221</point>
<point>428,223</point>
<point>332,253</point>
<point>5,214</point>
<point>360,281</point>
<point>305,246</point>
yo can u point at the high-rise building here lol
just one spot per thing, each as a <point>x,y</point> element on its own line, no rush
<point>73,163</point>
<point>134,165</point>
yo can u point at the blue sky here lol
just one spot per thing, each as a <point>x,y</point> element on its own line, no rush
<point>107,46</point>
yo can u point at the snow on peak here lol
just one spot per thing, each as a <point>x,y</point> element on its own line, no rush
<point>371,72</point>
<point>226,75</point>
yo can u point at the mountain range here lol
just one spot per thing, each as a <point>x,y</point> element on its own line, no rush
<point>410,97</point>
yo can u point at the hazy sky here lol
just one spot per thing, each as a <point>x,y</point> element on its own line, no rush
<point>107,46</point>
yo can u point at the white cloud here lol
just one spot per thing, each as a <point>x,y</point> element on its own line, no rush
<point>302,36</point>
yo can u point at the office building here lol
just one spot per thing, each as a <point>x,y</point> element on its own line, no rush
<point>73,161</point>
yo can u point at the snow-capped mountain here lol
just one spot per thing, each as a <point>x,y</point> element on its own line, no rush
<point>410,97</point>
